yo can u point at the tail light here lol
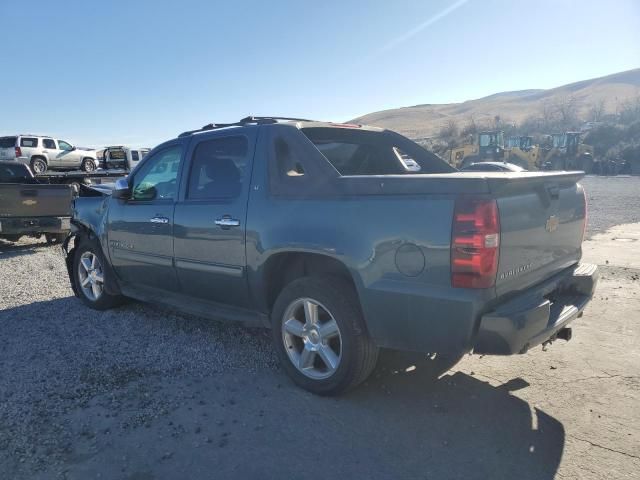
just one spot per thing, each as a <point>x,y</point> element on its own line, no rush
<point>18,152</point>
<point>475,242</point>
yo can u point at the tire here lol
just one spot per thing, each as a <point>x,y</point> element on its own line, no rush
<point>88,165</point>
<point>38,165</point>
<point>55,237</point>
<point>97,298</point>
<point>354,353</point>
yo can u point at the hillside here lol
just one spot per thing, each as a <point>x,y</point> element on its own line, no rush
<point>423,121</point>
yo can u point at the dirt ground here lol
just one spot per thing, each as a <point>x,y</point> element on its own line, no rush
<point>140,393</point>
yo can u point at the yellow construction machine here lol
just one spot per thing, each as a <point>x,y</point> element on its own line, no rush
<point>487,146</point>
<point>564,151</point>
<point>520,150</point>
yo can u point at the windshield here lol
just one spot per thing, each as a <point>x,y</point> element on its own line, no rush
<point>559,140</point>
<point>13,173</point>
<point>491,139</point>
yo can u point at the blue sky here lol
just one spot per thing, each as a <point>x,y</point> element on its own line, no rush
<point>140,72</point>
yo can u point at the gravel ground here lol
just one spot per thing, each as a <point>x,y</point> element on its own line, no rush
<point>143,393</point>
<point>612,201</point>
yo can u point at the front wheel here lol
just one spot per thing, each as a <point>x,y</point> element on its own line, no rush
<point>90,278</point>
<point>88,165</point>
<point>320,337</point>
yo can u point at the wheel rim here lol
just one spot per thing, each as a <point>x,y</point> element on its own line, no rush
<point>89,166</point>
<point>39,167</point>
<point>91,276</point>
<point>312,338</point>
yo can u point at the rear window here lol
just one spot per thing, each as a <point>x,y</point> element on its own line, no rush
<point>13,173</point>
<point>28,142</point>
<point>365,152</point>
<point>7,142</point>
<point>134,155</point>
<point>117,154</point>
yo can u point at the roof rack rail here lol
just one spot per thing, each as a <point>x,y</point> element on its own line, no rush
<point>245,121</point>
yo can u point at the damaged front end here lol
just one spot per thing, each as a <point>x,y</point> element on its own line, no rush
<point>88,224</point>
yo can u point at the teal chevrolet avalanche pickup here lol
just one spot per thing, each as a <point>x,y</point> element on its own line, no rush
<point>343,239</point>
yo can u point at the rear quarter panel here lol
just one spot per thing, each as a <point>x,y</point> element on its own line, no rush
<point>371,235</point>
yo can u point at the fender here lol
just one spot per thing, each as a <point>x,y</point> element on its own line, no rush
<point>88,224</point>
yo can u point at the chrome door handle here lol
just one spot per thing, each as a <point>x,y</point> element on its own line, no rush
<point>226,222</point>
<point>159,220</point>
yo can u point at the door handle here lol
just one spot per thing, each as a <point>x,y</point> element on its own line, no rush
<point>226,222</point>
<point>159,220</point>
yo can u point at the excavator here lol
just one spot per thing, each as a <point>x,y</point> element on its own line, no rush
<point>488,146</point>
<point>564,151</point>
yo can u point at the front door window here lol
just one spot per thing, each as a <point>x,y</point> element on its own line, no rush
<point>156,179</point>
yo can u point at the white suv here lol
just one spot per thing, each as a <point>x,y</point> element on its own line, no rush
<point>43,153</point>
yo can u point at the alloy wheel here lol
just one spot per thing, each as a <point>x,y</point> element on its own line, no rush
<point>91,276</point>
<point>312,338</point>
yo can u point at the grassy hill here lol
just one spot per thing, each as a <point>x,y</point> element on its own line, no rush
<point>583,98</point>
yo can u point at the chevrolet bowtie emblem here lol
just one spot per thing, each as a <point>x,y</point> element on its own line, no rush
<point>552,223</point>
<point>29,202</point>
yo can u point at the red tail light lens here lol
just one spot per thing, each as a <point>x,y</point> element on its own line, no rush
<point>18,152</point>
<point>475,243</point>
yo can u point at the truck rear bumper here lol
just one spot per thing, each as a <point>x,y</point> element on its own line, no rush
<point>537,315</point>
<point>27,225</point>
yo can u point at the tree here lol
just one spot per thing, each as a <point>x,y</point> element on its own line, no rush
<point>567,111</point>
<point>548,115</point>
<point>449,130</point>
<point>597,110</point>
<point>471,127</point>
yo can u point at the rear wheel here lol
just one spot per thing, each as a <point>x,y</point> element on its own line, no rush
<point>89,272</point>
<point>319,334</point>
<point>38,166</point>
<point>88,165</point>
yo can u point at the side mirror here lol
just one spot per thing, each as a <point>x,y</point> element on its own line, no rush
<point>122,189</point>
<point>73,148</point>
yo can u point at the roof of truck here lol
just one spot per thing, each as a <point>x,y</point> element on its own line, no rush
<point>299,122</point>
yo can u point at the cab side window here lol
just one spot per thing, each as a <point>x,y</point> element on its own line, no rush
<point>157,178</point>
<point>218,168</point>
<point>49,143</point>
<point>62,145</point>
<point>28,142</point>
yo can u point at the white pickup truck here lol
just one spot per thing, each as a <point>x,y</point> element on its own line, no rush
<point>121,157</point>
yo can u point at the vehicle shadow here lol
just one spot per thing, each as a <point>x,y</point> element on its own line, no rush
<point>24,247</point>
<point>180,397</point>
<point>458,426</point>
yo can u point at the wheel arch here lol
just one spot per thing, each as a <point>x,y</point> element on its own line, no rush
<point>80,234</point>
<point>282,268</point>
<point>40,156</point>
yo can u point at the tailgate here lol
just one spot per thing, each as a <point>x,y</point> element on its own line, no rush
<point>542,218</point>
<point>18,200</point>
